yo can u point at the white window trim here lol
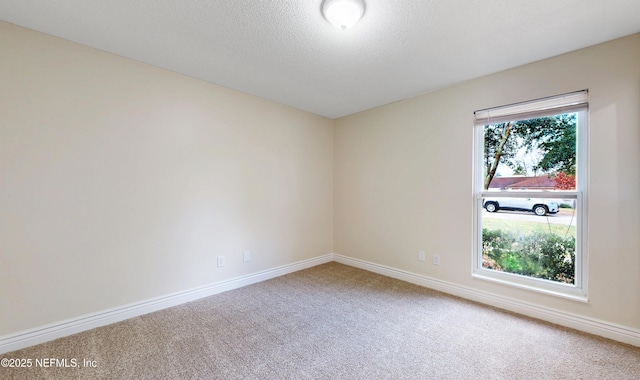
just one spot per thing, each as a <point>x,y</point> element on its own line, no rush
<point>578,291</point>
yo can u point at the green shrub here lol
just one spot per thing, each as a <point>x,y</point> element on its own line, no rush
<point>538,254</point>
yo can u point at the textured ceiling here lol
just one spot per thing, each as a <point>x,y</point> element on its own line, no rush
<point>284,50</point>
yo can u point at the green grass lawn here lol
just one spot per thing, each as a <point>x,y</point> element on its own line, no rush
<point>524,227</point>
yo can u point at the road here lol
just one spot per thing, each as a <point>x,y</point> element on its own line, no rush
<point>530,217</point>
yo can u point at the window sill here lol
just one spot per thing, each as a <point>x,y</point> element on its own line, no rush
<point>544,287</point>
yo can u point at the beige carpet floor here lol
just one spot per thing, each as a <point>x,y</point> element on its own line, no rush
<point>333,322</point>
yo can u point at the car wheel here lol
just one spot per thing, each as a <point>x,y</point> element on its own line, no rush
<point>540,210</point>
<point>491,206</point>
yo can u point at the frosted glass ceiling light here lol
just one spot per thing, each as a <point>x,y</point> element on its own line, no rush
<point>343,13</point>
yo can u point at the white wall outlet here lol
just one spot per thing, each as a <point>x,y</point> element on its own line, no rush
<point>220,261</point>
<point>421,256</point>
<point>246,256</point>
<point>436,260</point>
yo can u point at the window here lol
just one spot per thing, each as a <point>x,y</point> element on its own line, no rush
<point>529,195</point>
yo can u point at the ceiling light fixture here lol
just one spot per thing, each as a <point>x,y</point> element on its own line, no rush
<point>343,13</point>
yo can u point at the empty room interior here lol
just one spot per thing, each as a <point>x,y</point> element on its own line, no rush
<point>434,189</point>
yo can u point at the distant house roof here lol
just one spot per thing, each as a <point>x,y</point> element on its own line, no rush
<point>543,182</point>
<point>502,182</point>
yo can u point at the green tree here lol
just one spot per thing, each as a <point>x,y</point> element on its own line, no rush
<point>499,146</point>
<point>558,140</point>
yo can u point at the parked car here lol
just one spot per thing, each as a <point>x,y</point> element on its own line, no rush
<point>538,206</point>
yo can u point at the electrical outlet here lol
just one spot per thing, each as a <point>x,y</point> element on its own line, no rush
<point>421,256</point>
<point>436,260</point>
<point>246,256</point>
<point>220,261</point>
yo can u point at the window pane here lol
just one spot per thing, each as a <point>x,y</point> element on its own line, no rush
<point>532,154</point>
<point>534,237</point>
<point>530,157</point>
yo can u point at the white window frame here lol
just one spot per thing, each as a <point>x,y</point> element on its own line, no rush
<point>567,103</point>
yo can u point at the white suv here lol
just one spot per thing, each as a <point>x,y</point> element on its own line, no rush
<point>539,206</point>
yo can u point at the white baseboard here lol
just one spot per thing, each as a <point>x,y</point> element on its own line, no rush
<point>87,322</point>
<point>590,325</point>
<point>75,325</point>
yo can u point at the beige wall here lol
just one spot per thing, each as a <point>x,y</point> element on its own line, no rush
<point>403,179</point>
<point>120,181</point>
